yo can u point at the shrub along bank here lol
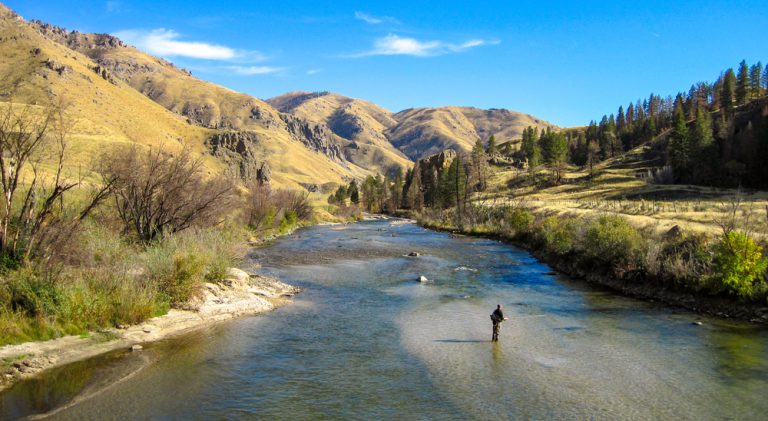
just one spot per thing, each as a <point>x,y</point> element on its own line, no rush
<point>724,276</point>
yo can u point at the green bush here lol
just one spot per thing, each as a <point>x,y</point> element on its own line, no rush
<point>32,294</point>
<point>611,239</point>
<point>739,266</point>
<point>519,221</point>
<point>182,282</point>
<point>557,235</point>
<point>290,218</point>
<point>683,261</point>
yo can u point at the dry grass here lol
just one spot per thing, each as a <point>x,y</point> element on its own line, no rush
<point>622,191</point>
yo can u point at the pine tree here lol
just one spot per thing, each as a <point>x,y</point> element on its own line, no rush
<point>756,79</point>
<point>630,116</point>
<point>479,160</point>
<point>397,189</point>
<point>353,192</point>
<point>492,149</point>
<point>742,84</point>
<point>370,190</point>
<point>593,150</point>
<point>727,93</point>
<point>679,145</point>
<point>555,151</point>
<point>413,196</point>
<point>703,148</point>
<point>621,122</point>
<point>530,148</point>
<point>765,77</point>
<point>341,195</point>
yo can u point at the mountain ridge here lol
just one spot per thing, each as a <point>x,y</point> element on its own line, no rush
<point>415,132</point>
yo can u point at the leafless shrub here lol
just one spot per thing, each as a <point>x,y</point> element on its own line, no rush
<point>265,207</point>
<point>157,193</point>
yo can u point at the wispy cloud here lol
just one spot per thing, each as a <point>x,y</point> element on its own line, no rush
<point>391,45</point>
<point>375,20</point>
<point>254,70</point>
<point>167,43</point>
<point>311,72</point>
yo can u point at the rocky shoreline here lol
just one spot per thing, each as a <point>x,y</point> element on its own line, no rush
<point>238,295</point>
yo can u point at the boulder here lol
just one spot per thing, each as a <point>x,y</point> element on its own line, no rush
<point>238,275</point>
<point>423,278</point>
<point>137,348</point>
<point>414,254</point>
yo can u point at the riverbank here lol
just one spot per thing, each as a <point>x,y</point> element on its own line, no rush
<point>239,294</point>
<point>635,286</point>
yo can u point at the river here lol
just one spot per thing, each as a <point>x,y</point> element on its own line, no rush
<point>365,340</point>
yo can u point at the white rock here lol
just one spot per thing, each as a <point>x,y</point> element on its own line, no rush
<point>238,274</point>
<point>423,278</point>
<point>137,348</point>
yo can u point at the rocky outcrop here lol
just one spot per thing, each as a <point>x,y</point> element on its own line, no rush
<point>314,136</point>
<point>104,74</point>
<point>237,149</point>
<point>77,40</point>
<point>437,162</point>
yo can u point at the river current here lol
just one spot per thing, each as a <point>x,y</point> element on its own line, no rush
<point>366,340</point>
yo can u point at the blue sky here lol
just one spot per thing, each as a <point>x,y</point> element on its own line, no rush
<point>566,62</point>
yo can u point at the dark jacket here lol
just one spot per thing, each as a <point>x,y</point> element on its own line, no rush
<point>497,316</point>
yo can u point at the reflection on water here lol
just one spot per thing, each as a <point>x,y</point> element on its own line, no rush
<point>365,340</point>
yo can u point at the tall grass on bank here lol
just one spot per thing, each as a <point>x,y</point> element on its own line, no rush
<point>731,265</point>
<point>110,281</point>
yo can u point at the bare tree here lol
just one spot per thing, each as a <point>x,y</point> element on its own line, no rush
<point>157,193</point>
<point>33,213</point>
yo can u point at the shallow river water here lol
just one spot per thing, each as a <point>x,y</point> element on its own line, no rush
<point>365,340</point>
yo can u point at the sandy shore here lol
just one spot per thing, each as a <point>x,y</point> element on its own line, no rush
<point>240,294</point>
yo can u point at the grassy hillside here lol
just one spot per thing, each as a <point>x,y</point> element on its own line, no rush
<point>108,110</point>
<point>213,106</point>
<point>421,132</point>
<point>361,124</point>
<point>34,70</point>
<point>415,133</point>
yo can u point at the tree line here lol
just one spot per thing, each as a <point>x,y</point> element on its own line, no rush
<point>712,138</point>
<point>442,181</point>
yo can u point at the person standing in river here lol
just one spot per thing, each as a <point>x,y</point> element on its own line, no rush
<point>497,317</point>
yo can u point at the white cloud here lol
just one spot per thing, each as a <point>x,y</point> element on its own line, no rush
<point>311,72</point>
<point>165,42</point>
<point>255,70</point>
<point>375,20</point>
<point>391,45</point>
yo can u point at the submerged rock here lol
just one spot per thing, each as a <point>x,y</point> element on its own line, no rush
<point>414,254</point>
<point>137,348</point>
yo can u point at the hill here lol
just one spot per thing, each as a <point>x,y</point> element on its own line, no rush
<point>422,132</point>
<point>212,106</point>
<point>361,123</point>
<point>417,132</point>
<point>99,76</point>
